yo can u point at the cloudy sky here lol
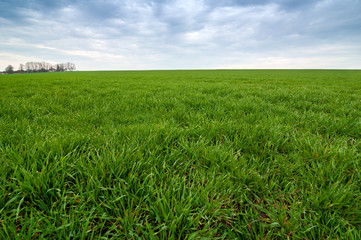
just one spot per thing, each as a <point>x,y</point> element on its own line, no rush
<point>184,34</point>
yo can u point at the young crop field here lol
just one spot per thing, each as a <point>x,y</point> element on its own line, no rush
<point>216,154</point>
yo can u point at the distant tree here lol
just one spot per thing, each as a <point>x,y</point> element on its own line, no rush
<point>72,66</point>
<point>32,67</point>
<point>60,67</point>
<point>29,66</point>
<point>69,66</point>
<point>21,67</point>
<point>9,69</point>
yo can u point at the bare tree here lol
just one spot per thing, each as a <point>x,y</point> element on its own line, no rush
<point>60,67</point>
<point>46,67</point>
<point>29,66</point>
<point>21,67</point>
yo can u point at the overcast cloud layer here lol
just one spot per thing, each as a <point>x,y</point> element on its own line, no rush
<point>186,34</point>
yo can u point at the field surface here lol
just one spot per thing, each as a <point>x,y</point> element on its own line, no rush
<point>236,154</point>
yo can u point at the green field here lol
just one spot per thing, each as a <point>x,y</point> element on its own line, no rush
<point>218,154</point>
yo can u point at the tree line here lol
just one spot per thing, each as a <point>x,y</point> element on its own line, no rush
<point>33,67</point>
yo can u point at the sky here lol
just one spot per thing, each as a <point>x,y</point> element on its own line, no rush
<point>184,34</point>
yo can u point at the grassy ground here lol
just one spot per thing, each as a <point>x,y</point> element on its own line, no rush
<point>181,155</point>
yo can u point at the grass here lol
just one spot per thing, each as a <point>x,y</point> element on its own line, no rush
<point>237,154</point>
